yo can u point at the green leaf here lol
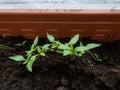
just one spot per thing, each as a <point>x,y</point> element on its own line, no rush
<point>67,52</point>
<point>46,46</point>
<point>17,58</point>
<point>63,46</point>
<point>35,42</point>
<point>30,63</point>
<point>81,44</point>
<point>60,51</point>
<point>42,53</point>
<point>50,38</point>
<point>30,51</point>
<point>91,46</point>
<point>74,40</point>
<point>80,49</point>
<point>79,54</point>
<point>39,49</point>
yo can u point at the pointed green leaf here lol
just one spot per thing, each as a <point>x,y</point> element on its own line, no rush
<point>80,49</point>
<point>67,52</point>
<point>91,46</point>
<point>35,42</point>
<point>30,51</point>
<point>42,53</point>
<point>74,40</point>
<point>60,51</point>
<point>46,46</point>
<point>50,38</point>
<point>17,58</point>
<point>39,49</point>
<point>63,46</point>
<point>30,63</point>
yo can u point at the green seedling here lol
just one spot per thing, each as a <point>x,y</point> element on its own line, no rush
<point>21,44</point>
<point>31,55</point>
<point>54,46</point>
<point>5,47</point>
<point>80,50</point>
<point>95,56</point>
<point>68,48</point>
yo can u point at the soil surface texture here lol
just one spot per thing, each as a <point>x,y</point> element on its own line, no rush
<point>55,72</point>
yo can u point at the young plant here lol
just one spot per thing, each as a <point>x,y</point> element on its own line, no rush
<point>54,46</point>
<point>21,44</point>
<point>31,55</point>
<point>68,48</point>
<point>5,47</point>
<point>80,50</point>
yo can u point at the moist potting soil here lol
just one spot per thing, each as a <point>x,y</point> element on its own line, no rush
<point>56,72</point>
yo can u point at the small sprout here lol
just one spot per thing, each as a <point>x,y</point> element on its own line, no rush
<point>95,56</point>
<point>21,44</point>
<point>31,55</point>
<point>88,61</point>
<point>5,47</point>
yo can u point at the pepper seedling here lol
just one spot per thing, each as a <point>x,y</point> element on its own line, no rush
<point>5,47</point>
<point>21,44</point>
<point>54,43</point>
<point>31,55</point>
<point>68,48</point>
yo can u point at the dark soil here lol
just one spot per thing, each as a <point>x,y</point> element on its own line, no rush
<point>55,72</point>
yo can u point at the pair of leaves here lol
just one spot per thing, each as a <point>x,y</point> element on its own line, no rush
<point>30,57</point>
<point>21,58</point>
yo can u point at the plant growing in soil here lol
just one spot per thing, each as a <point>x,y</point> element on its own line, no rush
<point>31,55</point>
<point>5,47</point>
<point>55,46</point>
<point>70,49</point>
<point>21,44</point>
<point>54,43</point>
